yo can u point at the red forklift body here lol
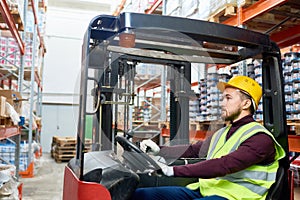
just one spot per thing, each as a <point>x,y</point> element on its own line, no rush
<point>74,189</point>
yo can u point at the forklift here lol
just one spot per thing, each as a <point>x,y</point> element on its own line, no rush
<point>113,47</point>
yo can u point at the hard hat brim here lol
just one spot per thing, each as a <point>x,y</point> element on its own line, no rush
<point>222,85</point>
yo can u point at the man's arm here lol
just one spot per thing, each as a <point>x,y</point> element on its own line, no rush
<point>181,151</point>
<point>258,149</point>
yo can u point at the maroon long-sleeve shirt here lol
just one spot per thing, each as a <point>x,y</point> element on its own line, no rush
<point>258,149</point>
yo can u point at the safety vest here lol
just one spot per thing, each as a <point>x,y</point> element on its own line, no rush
<point>252,183</point>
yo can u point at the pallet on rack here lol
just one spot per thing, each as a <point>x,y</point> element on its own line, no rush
<point>42,4</point>
<point>64,148</point>
<point>5,122</point>
<point>17,18</point>
<point>193,125</point>
<point>9,71</point>
<point>227,11</point>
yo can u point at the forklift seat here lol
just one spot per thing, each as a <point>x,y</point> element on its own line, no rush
<point>276,190</point>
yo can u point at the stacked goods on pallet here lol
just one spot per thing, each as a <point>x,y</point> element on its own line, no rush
<point>291,68</point>
<point>137,114</point>
<point>9,50</point>
<point>203,99</point>
<point>254,70</point>
<point>64,148</point>
<point>210,95</point>
<point>226,8</point>
<point>212,103</point>
<point>210,10</point>
<point>194,109</point>
<point>156,109</point>
<point>7,153</point>
<point>147,108</point>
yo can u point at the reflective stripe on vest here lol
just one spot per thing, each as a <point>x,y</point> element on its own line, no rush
<point>254,175</point>
<point>214,142</point>
<point>260,190</point>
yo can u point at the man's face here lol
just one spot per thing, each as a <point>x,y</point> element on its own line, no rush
<point>231,104</point>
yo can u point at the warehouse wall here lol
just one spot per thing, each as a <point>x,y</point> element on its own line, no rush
<point>58,120</point>
<point>64,32</point>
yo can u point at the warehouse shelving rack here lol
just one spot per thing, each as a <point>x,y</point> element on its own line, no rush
<point>146,83</point>
<point>283,26</point>
<point>26,78</point>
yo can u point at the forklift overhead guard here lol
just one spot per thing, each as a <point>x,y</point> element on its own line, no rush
<point>112,48</point>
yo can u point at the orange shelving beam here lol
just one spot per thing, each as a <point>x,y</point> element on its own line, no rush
<point>287,37</point>
<point>283,38</point>
<point>154,7</point>
<point>258,8</point>
<point>119,8</point>
<point>36,22</point>
<point>38,80</point>
<point>5,12</point>
<point>9,132</point>
<point>194,84</point>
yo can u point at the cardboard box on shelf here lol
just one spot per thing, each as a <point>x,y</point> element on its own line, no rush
<point>14,98</point>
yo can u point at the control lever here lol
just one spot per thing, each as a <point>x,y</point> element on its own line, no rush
<point>129,134</point>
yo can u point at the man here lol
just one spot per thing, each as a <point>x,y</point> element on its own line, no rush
<point>242,158</point>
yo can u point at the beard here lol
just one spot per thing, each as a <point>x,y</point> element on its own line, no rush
<point>231,116</point>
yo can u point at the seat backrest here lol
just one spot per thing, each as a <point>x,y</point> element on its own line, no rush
<point>276,190</point>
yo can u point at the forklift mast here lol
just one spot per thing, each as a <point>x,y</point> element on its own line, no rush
<point>114,45</point>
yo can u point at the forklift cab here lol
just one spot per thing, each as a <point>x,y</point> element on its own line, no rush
<point>112,49</point>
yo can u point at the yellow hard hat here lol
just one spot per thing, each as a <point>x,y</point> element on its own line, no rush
<point>245,84</point>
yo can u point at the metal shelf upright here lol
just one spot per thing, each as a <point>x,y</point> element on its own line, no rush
<point>35,82</point>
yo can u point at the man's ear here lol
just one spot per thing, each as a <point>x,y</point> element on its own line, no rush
<point>247,104</point>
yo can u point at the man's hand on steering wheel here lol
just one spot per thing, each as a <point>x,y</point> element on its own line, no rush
<point>148,146</point>
<point>136,156</point>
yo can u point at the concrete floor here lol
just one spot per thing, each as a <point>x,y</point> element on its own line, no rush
<point>47,184</point>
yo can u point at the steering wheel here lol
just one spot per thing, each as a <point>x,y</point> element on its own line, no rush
<point>135,157</point>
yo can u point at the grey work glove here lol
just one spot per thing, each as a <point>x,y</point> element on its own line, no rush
<point>149,145</point>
